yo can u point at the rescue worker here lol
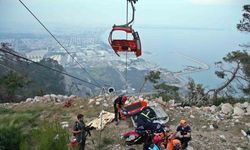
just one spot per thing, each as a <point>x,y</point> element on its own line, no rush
<point>184,133</point>
<point>79,131</point>
<point>118,104</point>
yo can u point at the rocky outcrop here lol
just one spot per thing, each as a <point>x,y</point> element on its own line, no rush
<point>244,105</point>
<point>238,111</point>
<point>50,98</point>
<point>213,109</point>
<point>248,110</point>
<point>227,109</point>
<point>214,113</point>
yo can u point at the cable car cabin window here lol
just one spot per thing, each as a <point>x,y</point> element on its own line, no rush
<point>121,35</point>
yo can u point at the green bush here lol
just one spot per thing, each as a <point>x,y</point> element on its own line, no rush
<point>47,136</point>
<point>6,111</point>
<point>229,99</point>
<point>10,138</point>
<point>17,120</point>
<point>107,141</point>
<point>167,92</point>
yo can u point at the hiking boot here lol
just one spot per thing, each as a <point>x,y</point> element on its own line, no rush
<point>116,123</point>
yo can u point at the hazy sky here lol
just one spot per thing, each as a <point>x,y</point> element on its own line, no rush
<point>105,13</point>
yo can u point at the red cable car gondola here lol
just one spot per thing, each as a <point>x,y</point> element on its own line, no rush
<point>125,45</point>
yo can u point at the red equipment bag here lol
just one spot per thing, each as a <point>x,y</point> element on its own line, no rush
<point>132,109</point>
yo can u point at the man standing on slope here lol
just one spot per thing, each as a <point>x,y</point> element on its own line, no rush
<point>184,133</point>
<point>118,104</point>
<point>79,131</point>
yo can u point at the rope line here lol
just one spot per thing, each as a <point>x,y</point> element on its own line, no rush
<point>58,71</point>
<point>101,116</point>
<point>7,67</point>
<point>81,66</point>
<point>18,71</point>
<point>126,70</point>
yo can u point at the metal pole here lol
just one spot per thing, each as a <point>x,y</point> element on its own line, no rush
<point>100,137</point>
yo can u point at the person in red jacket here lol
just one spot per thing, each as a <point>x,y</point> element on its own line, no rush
<point>118,104</point>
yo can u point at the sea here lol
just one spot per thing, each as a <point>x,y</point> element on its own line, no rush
<point>178,48</point>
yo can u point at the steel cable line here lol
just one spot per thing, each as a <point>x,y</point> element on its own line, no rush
<point>58,41</point>
<point>45,77</point>
<point>126,70</point>
<point>7,67</point>
<point>20,67</point>
<point>97,84</point>
<point>58,71</point>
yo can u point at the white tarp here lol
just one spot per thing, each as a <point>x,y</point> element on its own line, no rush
<point>99,123</point>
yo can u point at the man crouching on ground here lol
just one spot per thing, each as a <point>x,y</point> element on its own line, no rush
<point>184,133</point>
<point>118,104</point>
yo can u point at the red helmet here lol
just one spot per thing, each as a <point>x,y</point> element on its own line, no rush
<point>124,98</point>
<point>157,138</point>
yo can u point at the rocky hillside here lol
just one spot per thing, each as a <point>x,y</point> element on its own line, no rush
<point>214,128</point>
<point>221,127</point>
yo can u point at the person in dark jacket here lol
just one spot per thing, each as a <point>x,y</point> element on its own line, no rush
<point>79,131</point>
<point>185,133</point>
<point>118,104</point>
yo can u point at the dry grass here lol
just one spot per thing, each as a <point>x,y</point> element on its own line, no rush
<point>203,139</point>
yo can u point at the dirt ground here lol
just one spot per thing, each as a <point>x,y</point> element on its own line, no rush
<point>225,136</point>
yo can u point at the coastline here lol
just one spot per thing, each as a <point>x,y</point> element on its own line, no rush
<point>192,69</point>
